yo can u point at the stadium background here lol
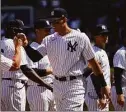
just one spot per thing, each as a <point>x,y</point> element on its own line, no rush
<point>83,14</point>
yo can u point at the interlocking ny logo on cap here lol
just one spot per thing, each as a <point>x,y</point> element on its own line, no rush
<point>103,27</point>
<point>52,13</point>
<point>47,22</point>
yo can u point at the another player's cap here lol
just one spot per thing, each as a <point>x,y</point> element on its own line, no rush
<point>57,13</point>
<point>101,30</point>
<point>42,23</point>
<point>15,24</point>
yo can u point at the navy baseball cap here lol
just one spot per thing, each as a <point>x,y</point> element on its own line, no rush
<point>17,24</point>
<point>57,13</point>
<point>101,29</point>
<point>42,23</point>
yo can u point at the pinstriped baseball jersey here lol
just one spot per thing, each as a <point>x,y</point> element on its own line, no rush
<point>119,60</point>
<point>8,47</point>
<point>67,53</point>
<point>6,63</point>
<point>42,64</point>
<point>102,59</point>
<point>40,98</point>
<point>91,96</point>
<point>13,91</point>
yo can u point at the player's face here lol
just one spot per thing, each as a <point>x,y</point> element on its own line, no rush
<point>105,39</point>
<point>58,24</point>
<point>101,40</point>
<point>42,32</point>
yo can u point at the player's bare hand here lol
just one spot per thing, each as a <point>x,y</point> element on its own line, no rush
<point>121,99</point>
<point>105,91</point>
<point>17,42</point>
<point>23,37</point>
<point>102,103</point>
<point>49,71</point>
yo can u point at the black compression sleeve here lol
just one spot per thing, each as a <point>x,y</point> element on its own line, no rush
<point>87,72</point>
<point>97,85</point>
<point>101,80</point>
<point>34,55</point>
<point>40,72</point>
<point>118,79</point>
<point>31,74</point>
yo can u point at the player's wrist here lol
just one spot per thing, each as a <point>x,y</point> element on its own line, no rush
<point>120,94</point>
<point>102,80</point>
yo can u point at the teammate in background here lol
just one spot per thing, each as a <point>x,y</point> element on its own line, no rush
<point>67,50</point>
<point>91,98</point>
<point>119,90</point>
<point>38,96</point>
<point>13,82</point>
<point>9,64</point>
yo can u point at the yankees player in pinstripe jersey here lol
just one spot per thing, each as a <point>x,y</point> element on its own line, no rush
<point>101,38</point>
<point>9,64</point>
<point>119,90</point>
<point>13,82</point>
<point>67,50</point>
<point>39,97</point>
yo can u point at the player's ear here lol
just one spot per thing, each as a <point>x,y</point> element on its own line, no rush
<point>64,19</point>
<point>36,30</point>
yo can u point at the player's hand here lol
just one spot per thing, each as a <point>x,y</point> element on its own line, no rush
<point>23,37</point>
<point>17,42</point>
<point>102,103</point>
<point>49,71</point>
<point>121,99</point>
<point>105,91</point>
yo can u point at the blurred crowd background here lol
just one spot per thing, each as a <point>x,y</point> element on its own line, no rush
<point>83,14</point>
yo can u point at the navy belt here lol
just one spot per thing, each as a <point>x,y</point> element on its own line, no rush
<point>67,78</point>
<point>21,81</point>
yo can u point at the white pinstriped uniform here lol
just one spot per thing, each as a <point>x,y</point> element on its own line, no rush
<point>67,55</point>
<point>40,98</point>
<point>91,96</point>
<point>119,60</point>
<point>13,91</point>
<point>6,63</point>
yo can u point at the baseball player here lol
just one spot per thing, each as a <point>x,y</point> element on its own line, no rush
<point>67,50</point>
<point>13,82</point>
<point>8,64</point>
<point>101,38</point>
<point>39,97</point>
<point>119,90</point>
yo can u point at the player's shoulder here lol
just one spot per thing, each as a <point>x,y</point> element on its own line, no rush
<point>120,51</point>
<point>97,49</point>
<point>80,36</point>
<point>50,37</point>
<point>7,42</point>
<point>78,33</point>
<point>34,44</point>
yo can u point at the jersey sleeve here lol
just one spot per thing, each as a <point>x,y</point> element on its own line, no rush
<point>42,48</point>
<point>119,60</point>
<point>88,51</point>
<point>24,57</point>
<point>6,63</point>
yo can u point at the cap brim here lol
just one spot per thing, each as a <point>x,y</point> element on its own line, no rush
<point>53,19</point>
<point>48,27</point>
<point>105,32</point>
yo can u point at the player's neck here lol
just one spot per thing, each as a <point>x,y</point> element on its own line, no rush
<point>39,40</point>
<point>65,30</point>
<point>100,46</point>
